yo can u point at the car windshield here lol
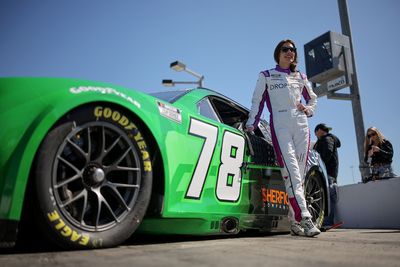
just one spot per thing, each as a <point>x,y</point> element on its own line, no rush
<point>170,96</point>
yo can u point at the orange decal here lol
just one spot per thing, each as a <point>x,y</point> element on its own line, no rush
<point>274,196</point>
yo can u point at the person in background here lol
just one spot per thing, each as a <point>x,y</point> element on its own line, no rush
<point>378,154</point>
<point>326,146</point>
<point>281,89</point>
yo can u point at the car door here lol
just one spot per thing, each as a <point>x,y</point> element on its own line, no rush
<point>261,175</point>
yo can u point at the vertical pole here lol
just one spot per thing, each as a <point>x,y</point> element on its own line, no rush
<point>354,90</point>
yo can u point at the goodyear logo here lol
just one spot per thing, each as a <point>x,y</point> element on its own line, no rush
<point>114,115</point>
<point>103,90</point>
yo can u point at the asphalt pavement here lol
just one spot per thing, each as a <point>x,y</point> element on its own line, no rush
<point>337,247</point>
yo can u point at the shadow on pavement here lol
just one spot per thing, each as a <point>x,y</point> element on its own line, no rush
<point>135,239</point>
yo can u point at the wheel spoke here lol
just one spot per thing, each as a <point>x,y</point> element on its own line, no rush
<point>122,157</point>
<point>314,186</point>
<point>89,141</point>
<point>70,200</point>
<point>69,180</point>
<point>312,194</point>
<point>110,210</point>
<point>103,143</point>
<point>79,150</point>
<point>112,145</point>
<point>120,199</point>
<point>314,211</point>
<point>317,199</point>
<point>316,205</point>
<point>123,185</point>
<point>309,188</point>
<point>122,168</point>
<point>100,201</point>
<point>85,203</point>
<point>69,164</point>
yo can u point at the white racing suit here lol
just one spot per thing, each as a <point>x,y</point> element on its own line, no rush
<point>281,90</point>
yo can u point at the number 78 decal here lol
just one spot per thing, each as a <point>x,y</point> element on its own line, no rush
<point>231,159</point>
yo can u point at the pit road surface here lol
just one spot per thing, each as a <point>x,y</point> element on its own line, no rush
<point>338,247</point>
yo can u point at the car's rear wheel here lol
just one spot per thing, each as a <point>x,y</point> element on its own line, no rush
<point>316,197</point>
<point>93,178</point>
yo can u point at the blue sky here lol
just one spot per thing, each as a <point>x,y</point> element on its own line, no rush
<point>132,43</point>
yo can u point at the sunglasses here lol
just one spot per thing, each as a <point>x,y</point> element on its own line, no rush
<point>285,49</point>
<point>371,134</point>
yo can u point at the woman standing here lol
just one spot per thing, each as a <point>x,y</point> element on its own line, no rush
<point>281,90</point>
<point>379,154</point>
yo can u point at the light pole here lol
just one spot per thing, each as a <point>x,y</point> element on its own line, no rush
<point>179,66</point>
<point>352,173</point>
<point>354,90</point>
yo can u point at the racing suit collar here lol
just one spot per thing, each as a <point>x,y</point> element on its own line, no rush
<point>278,68</point>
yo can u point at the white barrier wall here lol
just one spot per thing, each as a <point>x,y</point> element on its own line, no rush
<point>375,204</point>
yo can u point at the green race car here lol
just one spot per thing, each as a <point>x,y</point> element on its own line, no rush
<point>86,164</point>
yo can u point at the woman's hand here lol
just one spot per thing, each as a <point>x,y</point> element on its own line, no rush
<point>373,150</point>
<point>370,153</point>
<point>304,109</point>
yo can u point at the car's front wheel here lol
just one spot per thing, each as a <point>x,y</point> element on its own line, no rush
<point>92,178</point>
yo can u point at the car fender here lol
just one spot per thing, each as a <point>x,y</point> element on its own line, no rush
<point>20,161</point>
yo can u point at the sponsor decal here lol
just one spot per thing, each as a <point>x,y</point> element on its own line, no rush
<point>278,86</point>
<point>65,230</point>
<point>169,112</point>
<point>103,90</point>
<point>276,77</point>
<point>275,198</point>
<point>114,115</point>
<point>296,85</point>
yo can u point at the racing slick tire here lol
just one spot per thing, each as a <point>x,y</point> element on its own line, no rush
<point>92,178</point>
<point>316,196</point>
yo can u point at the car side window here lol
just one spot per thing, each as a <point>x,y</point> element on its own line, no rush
<point>222,110</point>
<point>205,108</point>
<point>228,112</point>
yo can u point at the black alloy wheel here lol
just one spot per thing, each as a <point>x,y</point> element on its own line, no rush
<point>315,197</point>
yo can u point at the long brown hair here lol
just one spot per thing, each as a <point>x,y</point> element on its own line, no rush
<point>277,52</point>
<point>367,141</point>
